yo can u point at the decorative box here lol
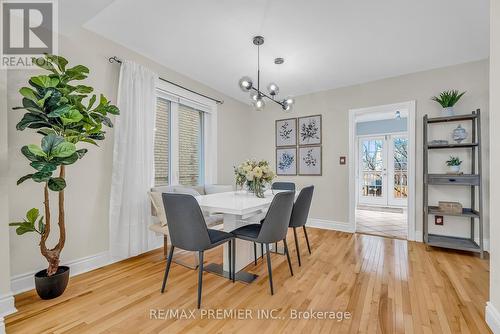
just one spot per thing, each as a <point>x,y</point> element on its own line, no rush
<point>450,207</point>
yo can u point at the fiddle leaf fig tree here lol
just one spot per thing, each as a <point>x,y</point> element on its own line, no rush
<point>64,114</point>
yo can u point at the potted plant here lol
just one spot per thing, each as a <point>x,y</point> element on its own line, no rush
<point>454,164</point>
<point>255,175</point>
<point>60,112</point>
<point>447,100</point>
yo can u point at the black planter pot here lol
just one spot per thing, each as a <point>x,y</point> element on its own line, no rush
<point>53,286</point>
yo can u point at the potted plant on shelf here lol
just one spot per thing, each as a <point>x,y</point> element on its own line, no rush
<point>454,164</point>
<point>58,110</point>
<point>255,175</point>
<point>447,100</point>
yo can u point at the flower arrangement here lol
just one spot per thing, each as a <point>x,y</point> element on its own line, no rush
<point>255,175</point>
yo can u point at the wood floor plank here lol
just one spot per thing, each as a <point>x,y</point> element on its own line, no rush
<point>385,285</point>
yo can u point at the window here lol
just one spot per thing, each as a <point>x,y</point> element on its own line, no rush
<point>162,142</point>
<point>185,138</point>
<point>190,146</point>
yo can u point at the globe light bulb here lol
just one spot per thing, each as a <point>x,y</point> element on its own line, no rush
<point>254,95</point>
<point>273,89</point>
<point>245,84</point>
<point>288,107</point>
<point>289,100</point>
<point>259,104</point>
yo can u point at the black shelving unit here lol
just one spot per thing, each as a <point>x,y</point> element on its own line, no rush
<point>473,181</point>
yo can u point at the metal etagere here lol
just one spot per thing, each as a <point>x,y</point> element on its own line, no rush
<point>472,180</point>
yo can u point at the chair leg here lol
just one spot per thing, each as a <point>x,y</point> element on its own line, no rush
<point>167,269</point>
<point>230,262</point>
<point>307,239</point>
<point>165,246</point>
<point>269,269</point>
<point>254,253</point>
<point>200,278</point>
<point>261,251</point>
<point>276,247</point>
<point>234,259</point>
<point>296,244</point>
<point>288,256</point>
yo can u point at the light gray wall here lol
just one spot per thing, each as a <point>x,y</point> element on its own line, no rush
<point>87,195</point>
<point>331,201</point>
<point>6,300</point>
<point>495,154</point>
<point>381,126</point>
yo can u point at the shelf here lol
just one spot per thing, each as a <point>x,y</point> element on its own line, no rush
<point>456,118</point>
<point>451,179</point>
<point>464,244</point>
<point>466,212</point>
<point>439,146</point>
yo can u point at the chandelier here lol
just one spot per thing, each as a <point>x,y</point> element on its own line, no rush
<point>256,95</point>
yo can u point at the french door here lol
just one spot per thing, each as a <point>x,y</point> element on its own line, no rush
<point>383,170</point>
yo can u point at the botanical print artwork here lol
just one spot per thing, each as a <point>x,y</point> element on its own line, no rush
<point>286,132</point>
<point>286,161</point>
<point>310,130</point>
<point>310,160</point>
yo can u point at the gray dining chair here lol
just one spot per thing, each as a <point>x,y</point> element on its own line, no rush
<point>188,231</point>
<point>272,229</point>
<point>287,186</point>
<point>299,216</point>
<point>283,186</point>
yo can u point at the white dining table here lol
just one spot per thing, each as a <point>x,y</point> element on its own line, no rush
<point>238,208</point>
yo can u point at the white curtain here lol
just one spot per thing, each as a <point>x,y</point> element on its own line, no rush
<point>133,162</point>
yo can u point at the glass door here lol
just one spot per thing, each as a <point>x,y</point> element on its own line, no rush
<point>372,171</point>
<point>383,170</point>
<point>398,170</point>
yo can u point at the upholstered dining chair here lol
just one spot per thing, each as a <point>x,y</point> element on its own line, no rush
<point>299,216</point>
<point>281,186</point>
<point>272,229</point>
<point>290,186</point>
<point>160,226</point>
<point>188,230</point>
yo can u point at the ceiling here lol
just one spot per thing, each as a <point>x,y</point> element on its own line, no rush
<point>325,43</point>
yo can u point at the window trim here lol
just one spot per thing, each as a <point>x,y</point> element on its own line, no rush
<point>209,140</point>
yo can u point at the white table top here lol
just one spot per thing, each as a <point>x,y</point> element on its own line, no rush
<point>238,203</point>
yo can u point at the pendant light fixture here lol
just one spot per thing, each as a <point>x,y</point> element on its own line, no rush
<point>256,95</point>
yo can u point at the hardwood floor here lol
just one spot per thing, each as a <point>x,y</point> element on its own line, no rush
<point>383,222</point>
<point>387,286</point>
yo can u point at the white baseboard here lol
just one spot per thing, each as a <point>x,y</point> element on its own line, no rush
<point>330,225</point>
<point>6,307</point>
<point>492,318</point>
<point>25,282</point>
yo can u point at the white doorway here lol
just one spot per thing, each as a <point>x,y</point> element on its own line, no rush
<point>382,171</point>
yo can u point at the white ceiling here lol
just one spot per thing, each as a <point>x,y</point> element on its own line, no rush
<point>325,43</point>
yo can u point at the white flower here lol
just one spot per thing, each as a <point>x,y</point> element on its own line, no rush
<point>257,171</point>
<point>250,176</point>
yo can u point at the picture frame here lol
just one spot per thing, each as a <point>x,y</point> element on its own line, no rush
<point>310,160</point>
<point>310,130</point>
<point>286,161</point>
<point>285,132</point>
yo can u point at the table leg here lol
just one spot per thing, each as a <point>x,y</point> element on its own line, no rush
<point>244,253</point>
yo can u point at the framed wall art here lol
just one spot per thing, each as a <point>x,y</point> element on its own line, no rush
<point>309,130</point>
<point>286,132</point>
<point>286,161</point>
<point>310,160</point>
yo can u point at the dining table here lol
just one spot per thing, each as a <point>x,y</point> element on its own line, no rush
<point>239,208</point>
